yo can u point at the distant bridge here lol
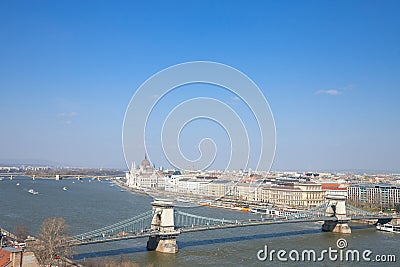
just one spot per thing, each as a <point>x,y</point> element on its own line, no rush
<point>163,223</point>
<point>58,176</point>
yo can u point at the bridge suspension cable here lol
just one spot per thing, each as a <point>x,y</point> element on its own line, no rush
<point>135,225</point>
<point>185,220</point>
<point>356,211</point>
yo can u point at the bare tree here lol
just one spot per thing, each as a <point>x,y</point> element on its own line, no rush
<point>51,242</point>
<point>21,232</point>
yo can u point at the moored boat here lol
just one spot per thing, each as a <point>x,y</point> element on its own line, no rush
<point>205,203</point>
<point>387,227</point>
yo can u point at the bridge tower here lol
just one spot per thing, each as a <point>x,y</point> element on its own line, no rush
<point>336,209</point>
<point>163,227</point>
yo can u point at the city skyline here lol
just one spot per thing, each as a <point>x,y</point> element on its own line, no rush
<point>329,71</point>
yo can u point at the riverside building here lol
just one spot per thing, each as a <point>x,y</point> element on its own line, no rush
<point>145,176</point>
<point>383,195</point>
<point>293,195</point>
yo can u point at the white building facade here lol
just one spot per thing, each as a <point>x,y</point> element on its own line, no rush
<point>145,176</point>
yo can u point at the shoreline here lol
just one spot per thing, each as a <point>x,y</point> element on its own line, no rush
<point>190,200</point>
<point>193,200</point>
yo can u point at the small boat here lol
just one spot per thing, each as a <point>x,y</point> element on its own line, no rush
<point>73,182</point>
<point>65,189</point>
<point>1,178</point>
<point>205,203</point>
<point>260,211</point>
<point>17,184</point>
<point>122,190</point>
<point>387,227</point>
<point>33,192</point>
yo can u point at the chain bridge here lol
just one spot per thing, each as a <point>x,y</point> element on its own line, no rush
<point>164,223</point>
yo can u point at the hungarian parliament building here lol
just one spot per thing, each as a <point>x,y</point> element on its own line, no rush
<point>145,176</point>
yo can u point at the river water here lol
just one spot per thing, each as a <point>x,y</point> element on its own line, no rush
<point>91,204</point>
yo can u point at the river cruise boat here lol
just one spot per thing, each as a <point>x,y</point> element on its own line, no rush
<point>387,227</point>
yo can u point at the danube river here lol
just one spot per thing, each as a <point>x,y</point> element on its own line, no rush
<point>90,204</point>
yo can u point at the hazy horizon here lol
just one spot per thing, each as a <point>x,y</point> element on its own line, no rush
<point>123,167</point>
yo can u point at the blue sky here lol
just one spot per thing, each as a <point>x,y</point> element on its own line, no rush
<point>330,71</point>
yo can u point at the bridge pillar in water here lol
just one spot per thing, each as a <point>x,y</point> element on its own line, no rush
<point>337,210</point>
<point>163,225</point>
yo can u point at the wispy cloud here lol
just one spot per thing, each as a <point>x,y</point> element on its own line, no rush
<point>328,92</point>
<point>66,117</point>
<point>337,91</point>
<point>67,114</point>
